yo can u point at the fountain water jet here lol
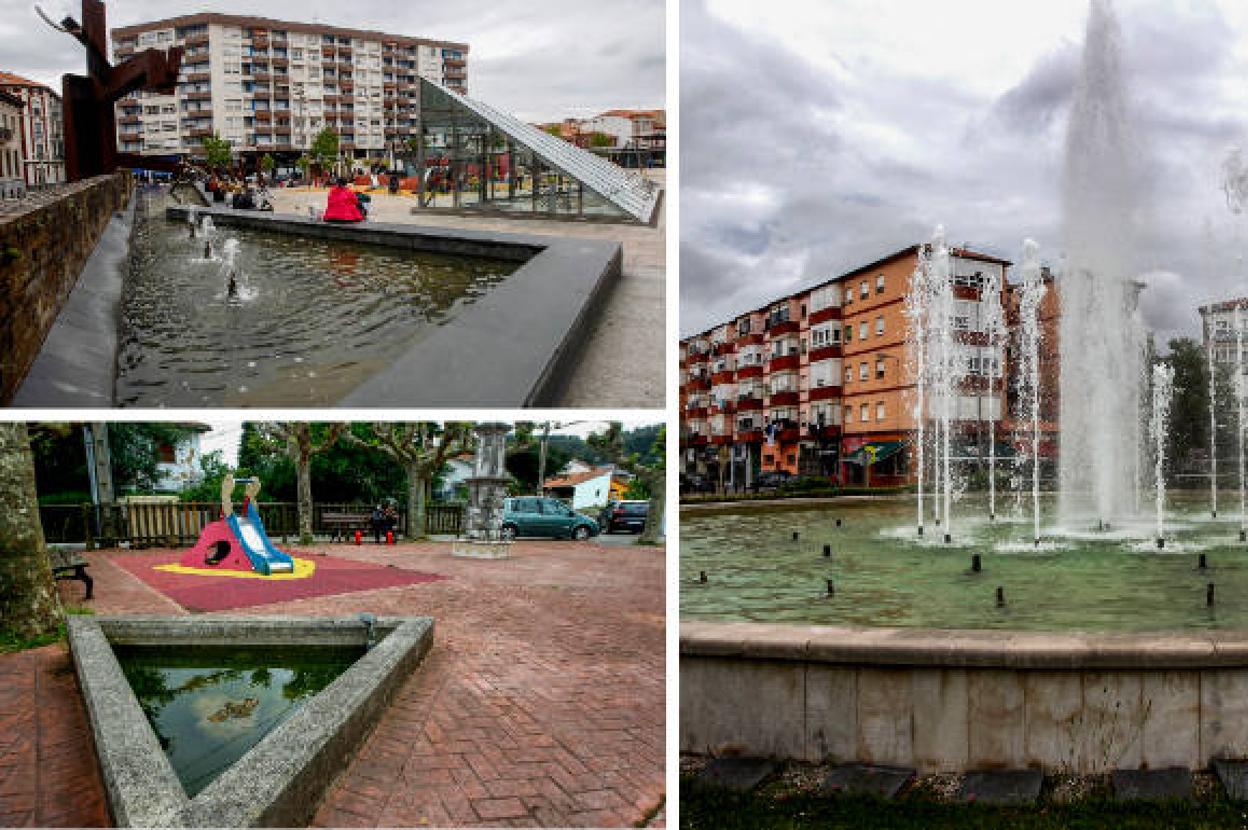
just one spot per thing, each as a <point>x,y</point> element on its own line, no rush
<point>1033,292</point>
<point>1100,355</point>
<point>1159,424</point>
<point>1239,420</point>
<point>994,325</point>
<point>918,302</point>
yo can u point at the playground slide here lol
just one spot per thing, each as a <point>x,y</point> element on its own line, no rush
<point>265,558</point>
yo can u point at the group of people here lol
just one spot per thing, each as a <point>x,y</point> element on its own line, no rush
<point>383,520</point>
<point>243,194</point>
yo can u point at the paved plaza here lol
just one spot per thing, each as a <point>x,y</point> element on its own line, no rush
<point>540,704</point>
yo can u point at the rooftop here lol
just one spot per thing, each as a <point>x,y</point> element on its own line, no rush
<point>252,22</point>
<point>578,478</point>
<point>11,79</point>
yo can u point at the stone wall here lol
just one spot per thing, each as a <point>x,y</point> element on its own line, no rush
<point>945,701</point>
<point>44,242</point>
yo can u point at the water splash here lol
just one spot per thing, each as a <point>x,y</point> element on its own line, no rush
<point>1101,335</point>
<point>1159,429</point>
<point>1033,292</point>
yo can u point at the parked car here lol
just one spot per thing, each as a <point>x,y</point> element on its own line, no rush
<point>540,516</point>
<point>627,515</point>
<point>773,479</point>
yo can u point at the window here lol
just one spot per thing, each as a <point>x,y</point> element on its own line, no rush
<point>864,413</point>
<point>849,414</point>
<point>864,290</point>
<point>849,333</point>
<point>879,368</point>
<point>879,325</point>
<point>849,374</point>
<point>803,311</point>
<point>825,297</point>
<point>862,370</point>
<point>862,330</point>
<point>879,411</point>
<point>879,284</point>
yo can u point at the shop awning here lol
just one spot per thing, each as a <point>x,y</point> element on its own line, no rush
<point>874,452</point>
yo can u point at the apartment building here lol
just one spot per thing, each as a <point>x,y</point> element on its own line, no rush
<point>271,85</point>
<point>11,109</point>
<point>1218,325</point>
<point>40,130</point>
<point>821,382</point>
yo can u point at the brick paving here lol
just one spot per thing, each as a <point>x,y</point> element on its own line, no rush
<point>48,772</point>
<point>540,704</point>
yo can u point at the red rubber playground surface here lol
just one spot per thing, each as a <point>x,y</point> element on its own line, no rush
<point>206,592</point>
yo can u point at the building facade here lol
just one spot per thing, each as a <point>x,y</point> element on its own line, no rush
<point>40,130</point>
<point>11,158</point>
<point>270,86</point>
<point>822,382</point>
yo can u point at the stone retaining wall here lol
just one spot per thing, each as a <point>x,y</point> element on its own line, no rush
<point>44,242</point>
<point>945,701</point>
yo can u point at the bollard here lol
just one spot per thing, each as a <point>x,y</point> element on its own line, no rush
<point>976,564</point>
<point>1209,594</point>
<point>1243,535</point>
<point>1000,597</point>
<point>948,538</point>
<point>796,536</point>
<point>831,589</point>
<point>702,577</point>
<point>389,537</point>
<point>827,550</point>
<point>1204,563</point>
<point>920,530</point>
<point>1035,543</point>
<point>838,522</point>
<point>1161,543</point>
<point>358,536</point>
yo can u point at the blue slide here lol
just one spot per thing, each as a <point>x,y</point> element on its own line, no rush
<point>265,558</point>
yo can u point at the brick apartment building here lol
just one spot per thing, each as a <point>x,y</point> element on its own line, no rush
<point>271,85</point>
<point>821,382</point>
<point>40,131</point>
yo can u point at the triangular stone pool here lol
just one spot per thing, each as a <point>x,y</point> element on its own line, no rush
<point>234,721</point>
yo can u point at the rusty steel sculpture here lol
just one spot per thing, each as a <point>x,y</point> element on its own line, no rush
<point>90,115</point>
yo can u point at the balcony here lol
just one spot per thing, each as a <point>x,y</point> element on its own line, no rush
<point>199,132</point>
<point>754,338</point>
<point>699,384</point>
<point>206,95</point>
<point>785,397</point>
<point>263,115</point>
<point>197,77</point>
<point>749,436</point>
<point>726,376</point>
<point>455,75</point>
<point>825,393</point>
<point>754,370</point>
<point>263,77</point>
<point>832,312</point>
<point>789,434</point>
<point>698,357</point>
<point>723,348</point>
<point>825,352</point>
<point>197,39</point>
<point>721,439</point>
<point>748,403</point>
<point>783,327</point>
<point>783,362</point>
<point>695,412</point>
<point>128,119</point>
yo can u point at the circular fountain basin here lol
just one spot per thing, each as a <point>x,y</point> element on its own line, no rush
<point>884,574</point>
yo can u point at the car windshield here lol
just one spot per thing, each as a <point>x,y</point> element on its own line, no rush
<point>639,509</point>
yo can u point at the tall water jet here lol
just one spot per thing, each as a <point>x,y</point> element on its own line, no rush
<point>1033,292</point>
<point>1239,419</point>
<point>1159,428</point>
<point>192,219</point>
<point>229,269</point>
<point>994,326</point>
<point>1213,429</point>
<point>949,367</point>
<point>1101,361</point>
<point>918,301</point>
<point>209,232</point>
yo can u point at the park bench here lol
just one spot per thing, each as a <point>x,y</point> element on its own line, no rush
<point>69,565</point>
<point>343,523</point>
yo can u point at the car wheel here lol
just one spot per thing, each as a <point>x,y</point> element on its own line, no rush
<point>508,533</point>
<point>580,533</point>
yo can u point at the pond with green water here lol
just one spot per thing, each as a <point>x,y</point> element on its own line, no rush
<point>210,705</point>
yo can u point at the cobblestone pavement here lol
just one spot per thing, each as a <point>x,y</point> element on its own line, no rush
<point>540,704</point>
<point>48,772</point>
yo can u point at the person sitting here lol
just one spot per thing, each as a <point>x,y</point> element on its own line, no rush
<point>342,205</point>
<point>363,200</point>
<point>378,523</point>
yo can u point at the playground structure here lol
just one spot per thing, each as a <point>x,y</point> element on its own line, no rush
<point>238,542</point>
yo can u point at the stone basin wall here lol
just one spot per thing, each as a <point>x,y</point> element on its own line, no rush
<point>947,701</point>
<point>44,241</point>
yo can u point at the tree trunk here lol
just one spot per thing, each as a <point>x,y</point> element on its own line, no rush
<point>305,495</point>
<point>652,533</point>
<point>417,486</point>
<point>29,604</point>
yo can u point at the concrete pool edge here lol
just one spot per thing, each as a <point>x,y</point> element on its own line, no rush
<point>957,700</point>
<point>511,347</point>
<point>281,781</point>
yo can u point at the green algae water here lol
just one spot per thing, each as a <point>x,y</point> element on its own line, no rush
<point>210,705</point>
<point>1078,579</point>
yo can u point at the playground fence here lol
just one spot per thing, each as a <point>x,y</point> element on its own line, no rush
<point>173,524</point>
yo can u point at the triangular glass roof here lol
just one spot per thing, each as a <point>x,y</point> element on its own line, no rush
<point>631,193</point>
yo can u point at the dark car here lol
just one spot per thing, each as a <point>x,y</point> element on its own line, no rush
<point>773,479</point>
<point>539,516</point>
<point>628,516</point>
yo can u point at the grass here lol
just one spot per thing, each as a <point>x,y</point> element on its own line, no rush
<point>11,642</point>
<point>702,808</point>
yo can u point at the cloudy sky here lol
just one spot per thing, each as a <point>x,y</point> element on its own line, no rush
<point>821,135</point>
<point>539,59</point>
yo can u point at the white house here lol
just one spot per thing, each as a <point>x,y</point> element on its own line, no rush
<point>455,474</point>
<point>177,465</point>
<point>591,488</point>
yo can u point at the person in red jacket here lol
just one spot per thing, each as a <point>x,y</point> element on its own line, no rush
<point>342,206</point>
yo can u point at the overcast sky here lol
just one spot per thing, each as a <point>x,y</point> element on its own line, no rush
<point>820,136</point>
<point>538,59</point>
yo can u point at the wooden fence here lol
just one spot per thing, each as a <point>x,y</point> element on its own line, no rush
<point>171,524</point>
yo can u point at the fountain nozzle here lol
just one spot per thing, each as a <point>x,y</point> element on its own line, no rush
<point>1161,543</point>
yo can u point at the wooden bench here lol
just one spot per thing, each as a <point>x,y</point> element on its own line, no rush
<point>343,523</point>
<point>69,565</point>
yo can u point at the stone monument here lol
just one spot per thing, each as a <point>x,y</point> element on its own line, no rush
<point>487,487</point>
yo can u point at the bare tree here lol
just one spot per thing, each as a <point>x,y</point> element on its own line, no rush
<point>29,604</point>
<point>421,449</point>
<point>300,441</point>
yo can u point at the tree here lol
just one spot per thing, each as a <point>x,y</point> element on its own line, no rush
<point>422,449</point>
<point>1189,408</point>
<point>29,604</point>
<point>301,440</point>
<point>651,475</point>
<point>217,150</point>
<point>303,163</point>
<point>601,140</point>
<point>267,163</point>
<point>324,150</point>
<point>343,472</point>
<point>61,460</point>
